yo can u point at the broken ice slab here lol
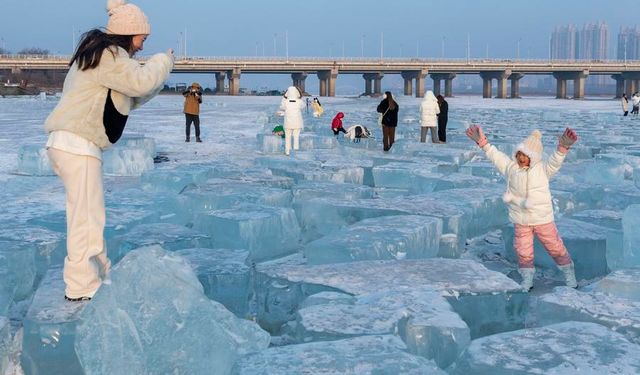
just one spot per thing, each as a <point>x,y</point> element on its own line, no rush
<point>631,236</point>
<point>564,348</point>
<point>17,258</point>
<point>387,237</point>
<point>565,304</point>
<point>50,329</point>
<point>266,231</point>
<point>367,355</point>
<point>421,317</point>
<point>126,161</point>
<point>226,275</point>
<point>585,242</point>
<point>5,343</point>
<point>153,318</point>
<point>33,160</point>
<point>317,189</point>
<point>270,143</point>
<point>623,283</point>
<point>139,141</point>
<point>310,141</point>
<point>169,236</point>
<point>612,220</point>
<point>49,246</point>
<point>487,301</point>
<point>174,179</point>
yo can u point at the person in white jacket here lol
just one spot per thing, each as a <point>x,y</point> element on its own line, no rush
<point>292,106</point>
<point>429,110</point>
<point>529,199</point>
<point>103,84</point>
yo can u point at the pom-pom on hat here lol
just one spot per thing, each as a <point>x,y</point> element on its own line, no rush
<point>126,19</point>
<point>532,146</point>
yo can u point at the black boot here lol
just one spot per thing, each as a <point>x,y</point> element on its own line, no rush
<point>187,139</point>
<point>198,139</point>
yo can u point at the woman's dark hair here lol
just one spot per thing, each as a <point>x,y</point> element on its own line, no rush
<point>440,98</point>
<point>392,103</point>
<point>93,43</point>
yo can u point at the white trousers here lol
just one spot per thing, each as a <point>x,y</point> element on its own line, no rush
<point>288,134</point>
<point>86,256</point>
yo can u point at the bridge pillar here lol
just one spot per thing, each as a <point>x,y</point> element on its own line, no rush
<point>578,83</point>
<point>501,76</point>
<point>448,83</point>
<point>630,82</point>
<point>619,85</point>
<point>220,77</point>
<point>408,86</point>
<point>328,82</point>
<point>299,81</point>
<point>418,76</point>
<point>515,85</point>
<point>234,81</point>
<point>373,84</point>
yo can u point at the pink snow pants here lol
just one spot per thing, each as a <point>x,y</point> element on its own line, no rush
<point>548,236</point>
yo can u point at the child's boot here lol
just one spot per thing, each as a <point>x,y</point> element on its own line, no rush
<point>527,278</point>
<point>569,273</point>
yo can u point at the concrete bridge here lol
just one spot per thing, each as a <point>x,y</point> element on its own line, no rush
<point>506,72</point>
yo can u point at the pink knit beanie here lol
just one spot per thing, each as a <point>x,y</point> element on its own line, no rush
<point>532,146</point>
<point>126,19</point>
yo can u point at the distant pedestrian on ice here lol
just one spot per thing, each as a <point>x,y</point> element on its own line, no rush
<point>635,101</point>
<point>336,124</point>
<point>529,199</point>
<point>429,110</point>
<point>192,101</point>
<point>625,104</point>
<point>443,118</point>
<point>103,85</point>
<point>389,109</point>
<point>292,106</point>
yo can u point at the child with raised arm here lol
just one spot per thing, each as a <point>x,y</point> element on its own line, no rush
<point>528,199</point>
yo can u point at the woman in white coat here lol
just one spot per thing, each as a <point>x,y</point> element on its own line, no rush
<point>429,111</point>
<point>292,106</point>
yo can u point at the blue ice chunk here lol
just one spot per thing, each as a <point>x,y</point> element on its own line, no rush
<point>169,236</point>
<point>367,355</point>
<point>50,329</point>
<point>140,142</point>
<point>317,189</point>
<point>564,348</point>
<point>7,286</point>
<point>174,179</point>
<point>487,301</point>
<point>153,318</point>
<point>612,220</point>
<point>328,298</point>
<point>270,143</point>
<point>266,231</point>
<point>21,266</point>
<point>631,235</point>
<point>226,275</point>
<point>381,192</point>
<point>123,160</point>
<point>49,247</point>
<point>387,237</point>
<point>421,317</point>
<point>481,168</point>
<point>309,141</point>
<point>585,242</point>
<point>622,283</point>
<point>33,160</point>
<point>565,304</point>
<point>5,343</point>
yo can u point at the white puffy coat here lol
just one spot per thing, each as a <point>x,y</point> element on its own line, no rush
<point>429,110</point>
<point>81,108</point>
<point>528,196</point>
<point>292,106</point>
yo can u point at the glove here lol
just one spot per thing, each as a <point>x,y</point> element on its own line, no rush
<point>567,139</point>
<point>475,132</point>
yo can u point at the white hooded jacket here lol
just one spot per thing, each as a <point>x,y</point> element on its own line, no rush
<point>429,110</point>
<point>528,196</point>
<point>292,105</point>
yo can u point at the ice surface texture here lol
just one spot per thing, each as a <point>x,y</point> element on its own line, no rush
<point>153,318</point>
<point>564,348</point>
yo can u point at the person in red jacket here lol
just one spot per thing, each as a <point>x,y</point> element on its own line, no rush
<point>336,124</point>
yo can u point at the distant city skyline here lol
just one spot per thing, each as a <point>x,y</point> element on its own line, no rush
<point>323,28</point>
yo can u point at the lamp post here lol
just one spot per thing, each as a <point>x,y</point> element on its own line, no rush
<point>518,49</point>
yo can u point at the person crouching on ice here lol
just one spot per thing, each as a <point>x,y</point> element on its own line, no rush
<point>336,124</point>
<point>529,199</point>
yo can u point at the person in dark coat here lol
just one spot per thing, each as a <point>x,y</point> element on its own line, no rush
<point>443,118</point>
<point>389,110</point>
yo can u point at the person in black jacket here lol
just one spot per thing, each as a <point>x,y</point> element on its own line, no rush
<point>443,118</point>
<point>389,110</point>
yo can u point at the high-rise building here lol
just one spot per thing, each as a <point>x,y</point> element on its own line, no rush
<point>563,43</point>
<point>629,44</point>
